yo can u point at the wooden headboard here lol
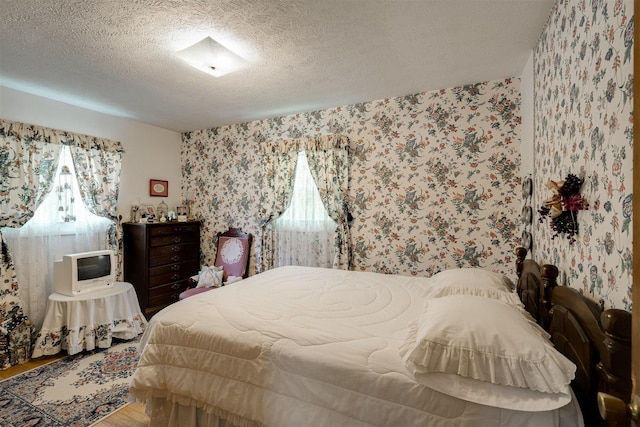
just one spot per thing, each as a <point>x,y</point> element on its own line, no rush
<point>598,341</point>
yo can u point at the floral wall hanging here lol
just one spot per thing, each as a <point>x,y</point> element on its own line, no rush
<point>563,206</point>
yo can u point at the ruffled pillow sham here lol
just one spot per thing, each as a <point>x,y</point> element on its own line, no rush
<point>470,276</point>
<point>487,340</point>
<point>473,281</point>
<point>496,395</point>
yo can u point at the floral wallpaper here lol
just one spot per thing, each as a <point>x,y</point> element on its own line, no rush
<point>434,177</point>
<point>583,73</point>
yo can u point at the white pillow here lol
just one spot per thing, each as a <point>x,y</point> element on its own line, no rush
<point>500,396</point>
<point>487,340</point>
<point>473,281</point>
<point>210,277</point>
<point>473,276</point>
<point>232,279</point>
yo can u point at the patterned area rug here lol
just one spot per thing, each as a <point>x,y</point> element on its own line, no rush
<point>75,391</point>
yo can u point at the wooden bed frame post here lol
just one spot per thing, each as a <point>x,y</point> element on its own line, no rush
<point>535,291</point>
<point>615,361</point>
<point>521,254</point>
<point>549,275</point>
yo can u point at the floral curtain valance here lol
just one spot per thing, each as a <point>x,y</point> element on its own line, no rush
<point>26,132</point>
<point>317,143</point>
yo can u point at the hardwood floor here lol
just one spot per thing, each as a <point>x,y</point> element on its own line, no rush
<point>132,415</point>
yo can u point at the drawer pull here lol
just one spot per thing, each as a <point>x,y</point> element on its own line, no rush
<point>176,249</point>
<point>175,277</point>
<point>175,258</point>
<point>176,286</point>
<point>175,267</point>
<point>177,239</point>
<point>174,296</point>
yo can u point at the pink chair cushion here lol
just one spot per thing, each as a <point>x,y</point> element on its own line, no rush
<point>232,255</point>
<point>193,291</point>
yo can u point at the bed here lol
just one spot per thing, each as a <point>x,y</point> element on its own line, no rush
<point>298,346</point>
<point>597,341</point>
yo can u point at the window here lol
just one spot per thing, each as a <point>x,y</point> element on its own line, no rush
<point>62,209</point>
<point>304,232</point>
<point>61,225</point>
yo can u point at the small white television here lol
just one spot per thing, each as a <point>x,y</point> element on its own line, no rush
<point>84,272</point>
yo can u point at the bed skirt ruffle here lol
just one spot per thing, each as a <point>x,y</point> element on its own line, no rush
<point>180,412</point>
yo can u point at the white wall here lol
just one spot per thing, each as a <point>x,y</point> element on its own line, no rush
<point>150,152</point>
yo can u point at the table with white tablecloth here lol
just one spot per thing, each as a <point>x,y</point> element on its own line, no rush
<point>89,321</point>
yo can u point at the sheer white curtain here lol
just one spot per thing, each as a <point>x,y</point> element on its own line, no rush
<point>46,237</point>
<point>304,232</point>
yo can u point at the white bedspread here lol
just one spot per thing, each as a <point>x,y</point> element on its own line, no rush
<point>298,346</point>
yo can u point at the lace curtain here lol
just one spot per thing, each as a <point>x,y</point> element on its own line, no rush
<point>304,232</point>
<point>329,165</point>
<point>28,162</point>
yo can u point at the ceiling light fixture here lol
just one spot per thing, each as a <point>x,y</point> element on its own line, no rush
<point>211,57</point>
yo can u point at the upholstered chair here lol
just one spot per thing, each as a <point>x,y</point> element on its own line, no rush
<point>232,255</point>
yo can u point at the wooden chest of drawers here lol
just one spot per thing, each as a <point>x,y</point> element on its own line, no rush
<point>159,259</point>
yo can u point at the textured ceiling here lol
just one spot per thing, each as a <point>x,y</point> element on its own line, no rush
<point>116,56</point>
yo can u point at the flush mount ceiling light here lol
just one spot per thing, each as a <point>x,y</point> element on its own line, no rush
<point>211,57</point>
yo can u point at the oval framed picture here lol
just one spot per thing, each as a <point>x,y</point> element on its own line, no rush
<point>527,215</point>
<point>527,187</point>
<point>158,188</point>
<point>526,240</point>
